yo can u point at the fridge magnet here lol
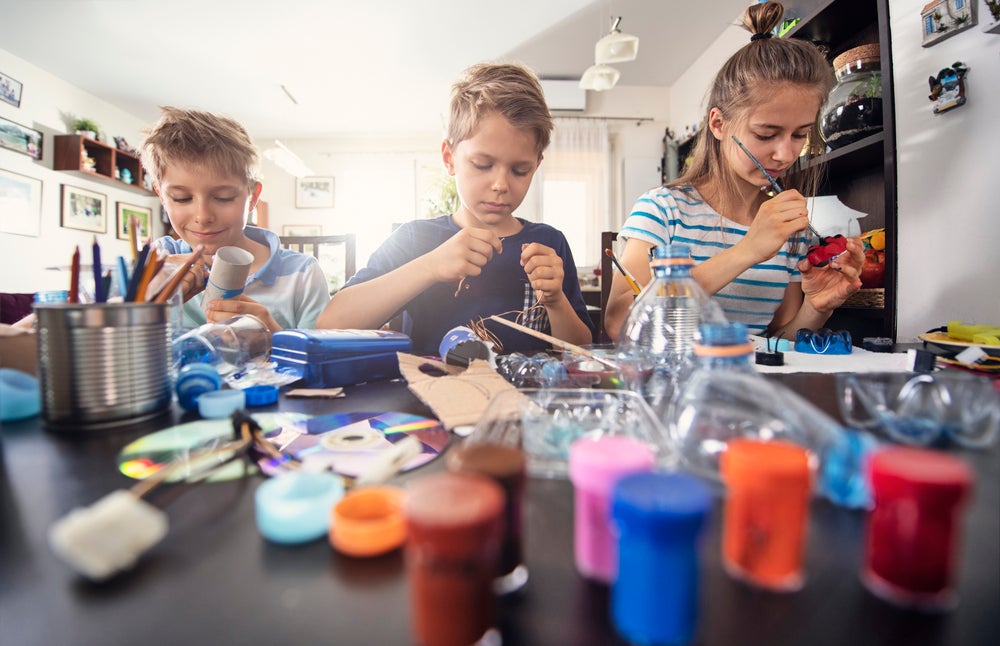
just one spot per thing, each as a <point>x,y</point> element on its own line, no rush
<point>944,18</point>
<point>993,23</point>
<point>948,87</point>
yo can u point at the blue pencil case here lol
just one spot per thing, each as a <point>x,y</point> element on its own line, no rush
<point>823,341</point>
<point>330,358</point>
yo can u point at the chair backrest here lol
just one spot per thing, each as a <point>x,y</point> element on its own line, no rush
<point>336,254</point>
<point>608,239</point>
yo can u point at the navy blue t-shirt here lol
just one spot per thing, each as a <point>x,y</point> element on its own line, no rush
<point>500,289</point>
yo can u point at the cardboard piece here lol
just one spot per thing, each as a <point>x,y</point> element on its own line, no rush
<point>19,349</point>
<point>458,396</point>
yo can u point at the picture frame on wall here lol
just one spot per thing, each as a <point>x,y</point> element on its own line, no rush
<point>942,19</point>
<point>84,210</point>
<point>22,139</point>
<point>314,192</point>
<point>20,204</point>
<point>10,90</point>
<point>143,216</point>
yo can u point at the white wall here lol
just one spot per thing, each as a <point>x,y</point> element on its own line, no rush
<point>49,105</point>
<point>949,232</point>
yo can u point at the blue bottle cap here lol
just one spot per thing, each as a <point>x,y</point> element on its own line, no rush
<point>220,403</point>
<point>296,507</point>
<point>261,395</point>
<point>20,396</point>
<point>660,503</point>
<point>194,380</point>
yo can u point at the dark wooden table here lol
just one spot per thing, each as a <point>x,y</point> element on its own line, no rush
<point>215,580</point>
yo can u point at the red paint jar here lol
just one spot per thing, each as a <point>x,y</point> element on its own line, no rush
<point>913,530</point>
<point>454,524</point>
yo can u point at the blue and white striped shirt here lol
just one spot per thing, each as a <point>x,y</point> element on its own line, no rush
<point>679,214</point>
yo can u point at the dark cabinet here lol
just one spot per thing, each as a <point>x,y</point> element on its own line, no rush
<point>862,173</point>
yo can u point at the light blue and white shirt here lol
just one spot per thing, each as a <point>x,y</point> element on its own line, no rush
<point>290,285</point>
<point>667,215</point>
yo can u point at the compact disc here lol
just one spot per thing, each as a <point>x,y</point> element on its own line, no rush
<point>351,441</point>
<point>190,442</point>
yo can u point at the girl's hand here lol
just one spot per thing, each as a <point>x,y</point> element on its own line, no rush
<point>776,221</point>
<point>462,255</point>
<point>220,309</point>
<point>826,288</point>
<point>544,269</point>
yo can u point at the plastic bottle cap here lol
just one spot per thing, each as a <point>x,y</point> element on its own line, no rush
<point>194,380</point>
<point>368,521</point>
<point>458,512</point>
<point>594,464</point>
<point>20,395</point>
<point>261,395</point>
<point>930,476</point>
<point>659,502</point>
<point>221,403</point>
<point>294,507</point>
<point>756,463</point>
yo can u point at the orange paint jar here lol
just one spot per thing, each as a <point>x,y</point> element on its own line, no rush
<point>766,512</point>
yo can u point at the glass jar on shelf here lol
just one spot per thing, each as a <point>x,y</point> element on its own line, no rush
<point>854,109</point>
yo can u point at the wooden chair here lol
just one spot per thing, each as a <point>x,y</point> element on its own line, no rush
<point>607,273</point>
<point>336,255</point>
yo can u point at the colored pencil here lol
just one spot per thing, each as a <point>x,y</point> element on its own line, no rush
<point>99,295</point>
<point>74,277</point>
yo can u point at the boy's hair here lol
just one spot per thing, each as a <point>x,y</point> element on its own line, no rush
<point>747,79</point>
<point>203,139</point>
<point>507,89</point>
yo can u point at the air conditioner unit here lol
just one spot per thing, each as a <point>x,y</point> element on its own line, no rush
<point>563,94</point>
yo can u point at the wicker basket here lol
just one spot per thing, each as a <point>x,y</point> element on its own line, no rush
<point>873,298</point>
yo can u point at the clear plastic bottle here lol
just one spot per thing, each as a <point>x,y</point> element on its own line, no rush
<point>656,339</point>
<point>716,406</point>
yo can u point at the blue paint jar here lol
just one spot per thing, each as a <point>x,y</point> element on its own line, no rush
<point>658,518</point>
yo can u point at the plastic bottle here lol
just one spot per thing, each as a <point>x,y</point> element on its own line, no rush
<point>656,339</point>
<point>716,406</point>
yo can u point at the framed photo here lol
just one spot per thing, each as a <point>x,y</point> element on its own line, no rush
<point>20,204</point>
<point>22,139</point>
<point>942,19</point>
<point>143,216</point>
<point>301,230</point>
<point>84,210</point>
<point>314,192</point>
<point>10,90</point>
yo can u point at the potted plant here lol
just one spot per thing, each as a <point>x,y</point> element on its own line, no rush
<point>86,127</point>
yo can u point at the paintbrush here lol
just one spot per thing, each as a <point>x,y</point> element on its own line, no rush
<point>559,343</point>
<point>628,277</point>
<point>773,182</point>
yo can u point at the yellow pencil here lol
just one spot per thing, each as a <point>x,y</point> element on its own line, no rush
<point>133,236</point>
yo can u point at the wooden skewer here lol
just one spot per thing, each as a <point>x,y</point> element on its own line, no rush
<point>559,343</point>
<point>175,280</point>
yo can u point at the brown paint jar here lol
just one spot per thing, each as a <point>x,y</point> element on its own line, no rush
<point>454,525</point>
<point>505,465</point>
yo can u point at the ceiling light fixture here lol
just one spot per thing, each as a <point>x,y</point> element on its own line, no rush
<point>599,78</point>
<point>616,47</point>
<point>287,161</point>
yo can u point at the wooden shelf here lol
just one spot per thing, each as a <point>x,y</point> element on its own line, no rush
<point>69,151</point>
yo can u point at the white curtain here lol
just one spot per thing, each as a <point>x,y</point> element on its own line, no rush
<point>572,190</point>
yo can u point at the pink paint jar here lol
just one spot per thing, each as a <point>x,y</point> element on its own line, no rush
<point>595,465</point>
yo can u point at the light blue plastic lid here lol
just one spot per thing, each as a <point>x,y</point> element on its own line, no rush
<point>220,403</point>
<point>296,507</point>
<point>20,395</point>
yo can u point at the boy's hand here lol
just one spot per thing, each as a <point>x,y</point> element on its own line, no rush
<point>544,268</point>
<point>221,309</point>
<point>826,288</point>
<point>463,255</point>
<point>777,220</point>
<point>194,282</point>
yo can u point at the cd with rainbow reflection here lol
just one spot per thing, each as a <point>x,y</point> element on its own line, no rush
<point>350,441</point>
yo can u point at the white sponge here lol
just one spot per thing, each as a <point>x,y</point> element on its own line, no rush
<point>109,536</point>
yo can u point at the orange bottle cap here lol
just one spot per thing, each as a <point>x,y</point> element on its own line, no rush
<point>368,521</point>
<point>757,463</point>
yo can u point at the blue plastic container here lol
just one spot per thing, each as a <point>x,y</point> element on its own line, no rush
<point>659,518</point>
<point>329,358</point>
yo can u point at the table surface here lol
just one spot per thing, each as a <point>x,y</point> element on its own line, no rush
<point>214,579</point>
